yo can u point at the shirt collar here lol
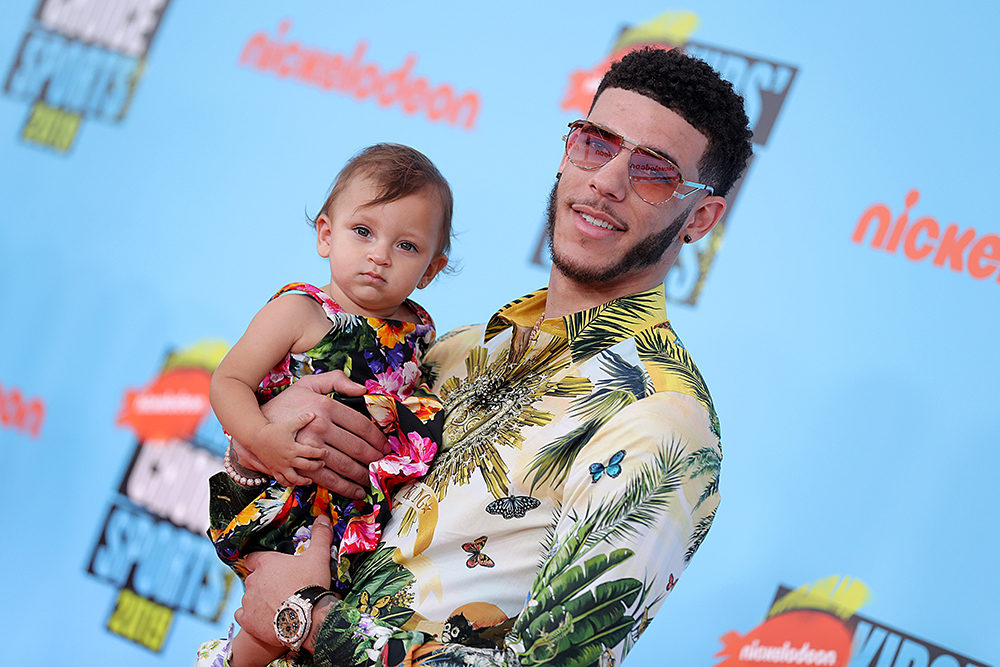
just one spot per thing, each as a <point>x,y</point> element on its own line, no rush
<point>588,331</point>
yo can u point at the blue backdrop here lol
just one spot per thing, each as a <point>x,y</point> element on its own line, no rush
<point>160,156</point>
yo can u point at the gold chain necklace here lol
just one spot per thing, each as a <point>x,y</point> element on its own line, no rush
<point>535,328</point>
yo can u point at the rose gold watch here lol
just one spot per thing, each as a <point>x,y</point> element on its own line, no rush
<point>293,618</point>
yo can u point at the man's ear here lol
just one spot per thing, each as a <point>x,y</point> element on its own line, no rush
<point>433,269</point>
<point>704,217</point>
<point>324,232</point>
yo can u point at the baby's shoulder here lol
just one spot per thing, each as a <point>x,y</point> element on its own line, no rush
<point>295,310</point>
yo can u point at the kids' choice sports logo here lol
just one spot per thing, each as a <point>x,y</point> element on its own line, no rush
<point>152,546</point>
<point>817,624</point>
<point>764,85</point>
<point>172,406</point>
<point>81,59</point>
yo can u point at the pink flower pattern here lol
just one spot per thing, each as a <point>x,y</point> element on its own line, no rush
<point>362,533</point>
<point>398,383</point>
<point>408,461</point>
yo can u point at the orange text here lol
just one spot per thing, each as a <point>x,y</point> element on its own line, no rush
<point>961,250</point>
<point>16,412</point>
<point>360,78</point>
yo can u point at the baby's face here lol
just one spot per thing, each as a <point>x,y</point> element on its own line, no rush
<point>380,254</point>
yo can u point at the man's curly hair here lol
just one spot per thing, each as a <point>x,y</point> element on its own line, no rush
<point>695,91</point>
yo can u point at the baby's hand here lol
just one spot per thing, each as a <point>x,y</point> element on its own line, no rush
<point>277,449</point>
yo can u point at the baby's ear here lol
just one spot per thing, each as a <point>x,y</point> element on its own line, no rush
<point>323,233</point>
<point>433,269</point>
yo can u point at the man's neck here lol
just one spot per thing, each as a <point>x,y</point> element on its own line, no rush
<point>566,296</point>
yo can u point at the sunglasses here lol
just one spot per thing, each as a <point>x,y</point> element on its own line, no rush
<point>654,178</point>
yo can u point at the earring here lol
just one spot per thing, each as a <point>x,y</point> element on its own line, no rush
<point>558,175</point>
<point>687,238</point>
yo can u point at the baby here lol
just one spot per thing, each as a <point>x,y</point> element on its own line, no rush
<point>386,229</point>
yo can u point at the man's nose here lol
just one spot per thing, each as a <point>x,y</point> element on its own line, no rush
<point>612,179</point>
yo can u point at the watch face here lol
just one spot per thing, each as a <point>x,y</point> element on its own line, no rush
<point>288,625</point>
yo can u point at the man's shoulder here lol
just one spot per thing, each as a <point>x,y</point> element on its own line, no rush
<point>449,351</point>
<point>459,335</point>
<point>671,368</point>
<point>455,342</point>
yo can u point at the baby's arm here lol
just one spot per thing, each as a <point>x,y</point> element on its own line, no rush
<point>286,324</point>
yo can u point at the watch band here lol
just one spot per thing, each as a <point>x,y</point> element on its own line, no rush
<point>312,594</point>
<point>293,618</point>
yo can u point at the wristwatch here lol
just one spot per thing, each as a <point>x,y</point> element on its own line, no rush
<point>294,616</point>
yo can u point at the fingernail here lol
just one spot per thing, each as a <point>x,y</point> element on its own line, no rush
<point>359,494</point>
<point>323,520</point>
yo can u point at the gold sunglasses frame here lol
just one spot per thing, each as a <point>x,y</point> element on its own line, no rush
<point>622,141</point>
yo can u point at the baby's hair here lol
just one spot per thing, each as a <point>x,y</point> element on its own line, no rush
<point>397,171</point>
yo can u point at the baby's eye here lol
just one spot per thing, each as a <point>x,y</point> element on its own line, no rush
<point>362,231</point>
<point>407,246</point>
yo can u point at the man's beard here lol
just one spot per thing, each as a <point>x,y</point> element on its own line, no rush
<point>645,252</point>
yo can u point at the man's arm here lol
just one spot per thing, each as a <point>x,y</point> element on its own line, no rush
<point>275,576</point>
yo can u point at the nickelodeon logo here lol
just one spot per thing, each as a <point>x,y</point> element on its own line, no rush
<point>961,250</point>
<point>361,79</point>
<point>19,413</point>
<point>171,406</point>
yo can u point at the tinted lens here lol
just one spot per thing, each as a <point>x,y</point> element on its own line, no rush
<point>653,178</point>
<point>589,148</point>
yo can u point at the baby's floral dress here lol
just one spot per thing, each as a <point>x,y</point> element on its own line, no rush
<point>385,356</point>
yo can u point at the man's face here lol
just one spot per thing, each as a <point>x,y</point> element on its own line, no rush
<point>600,230</point>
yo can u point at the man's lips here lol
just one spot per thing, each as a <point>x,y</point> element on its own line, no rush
<point>597,219</point>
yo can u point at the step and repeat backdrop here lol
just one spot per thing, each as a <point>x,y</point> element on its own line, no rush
<point>160,158</point>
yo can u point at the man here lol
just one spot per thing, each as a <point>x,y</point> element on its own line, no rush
<point>579,471</point>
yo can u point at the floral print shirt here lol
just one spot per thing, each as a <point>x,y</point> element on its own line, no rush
<point>578,476</point>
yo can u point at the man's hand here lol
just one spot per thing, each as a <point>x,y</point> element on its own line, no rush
<point>274,577</point>
<point>350,440</point>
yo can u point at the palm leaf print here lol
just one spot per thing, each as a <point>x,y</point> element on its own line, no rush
<point>625,377</point>
<point>555,459</point>
<point>647,494</point>
<point>676,363</point>
<point>705,461</point>
<point>429,372</point>
<point>574,581</point>
<point>598,328</point>
<point>379,576</point>
<point>585,625</point>
<point>568,619</point>
<point>698,536</point>
<point>579,621</point>
<point>624,385</point>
